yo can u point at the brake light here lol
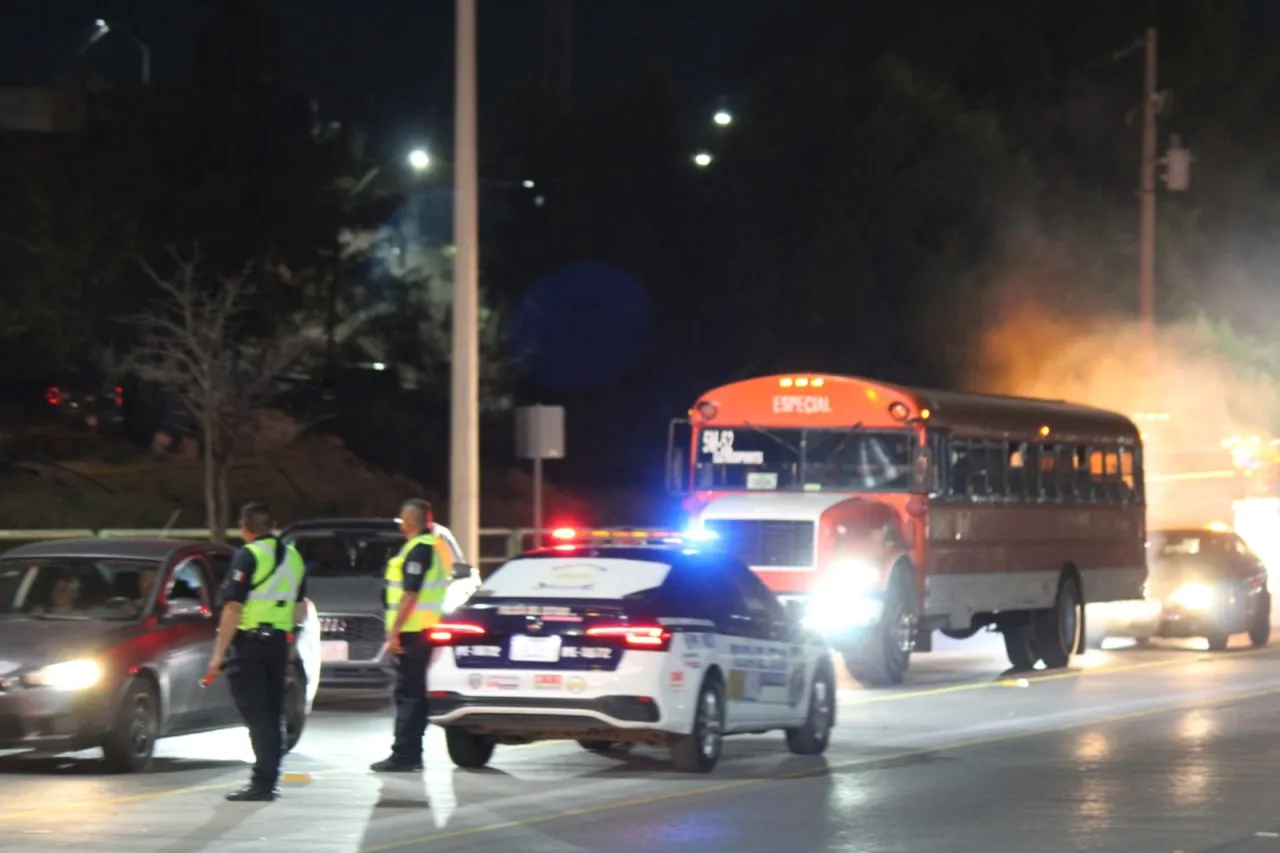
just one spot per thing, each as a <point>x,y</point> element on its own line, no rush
<point>646,637</point>
<point>119,396</point>
<point>451,632</point>
<point>53,395</point>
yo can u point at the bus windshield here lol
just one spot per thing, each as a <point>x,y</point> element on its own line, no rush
<point>842,460</point>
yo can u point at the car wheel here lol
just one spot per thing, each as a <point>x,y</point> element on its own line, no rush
<point>883,658</point>
<point>1260,631</point>
<point>812,738</point>
<point>468,750</point>
<point>295,709</point>
<point>1020,645</point>
<point>698,751</point>
<point>1218,642</point>
<point>131,743</point>
<point>1057,630</point>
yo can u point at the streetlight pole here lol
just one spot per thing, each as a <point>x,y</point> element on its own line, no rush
<point>104,26</point>
<point>464,434</point>
<point>1147,248</point>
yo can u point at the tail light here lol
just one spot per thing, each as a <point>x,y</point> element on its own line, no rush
<point>53,394</point>
<point>448,633</point>
<point>651,638</point>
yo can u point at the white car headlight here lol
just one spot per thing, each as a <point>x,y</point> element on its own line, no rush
<point>1193,596</point>
<point>71,675</point>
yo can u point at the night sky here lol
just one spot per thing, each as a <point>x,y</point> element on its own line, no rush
<point>400,49</point>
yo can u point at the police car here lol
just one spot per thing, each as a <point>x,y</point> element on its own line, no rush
<point>644,642</point>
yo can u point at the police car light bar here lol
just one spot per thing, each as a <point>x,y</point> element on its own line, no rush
<point>570,536</point>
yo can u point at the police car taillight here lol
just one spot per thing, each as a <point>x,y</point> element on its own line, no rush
<point>652,638</point>
<point>447,633</point>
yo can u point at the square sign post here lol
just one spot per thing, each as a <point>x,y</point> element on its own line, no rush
<point>539,436</point>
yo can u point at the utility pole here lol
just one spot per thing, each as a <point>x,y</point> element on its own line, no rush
<point>1147,248</point>
<point>464,432</point>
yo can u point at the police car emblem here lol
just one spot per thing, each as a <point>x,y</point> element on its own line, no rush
<point>474,680</point>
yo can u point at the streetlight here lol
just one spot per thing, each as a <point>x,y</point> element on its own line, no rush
<point>723,118</point>
<point>702,159</point>
<point>419,160</point>
<point>102,27</point>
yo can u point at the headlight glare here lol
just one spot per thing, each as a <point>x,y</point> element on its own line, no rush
<point>1193,596</point>
<point>71,675</point>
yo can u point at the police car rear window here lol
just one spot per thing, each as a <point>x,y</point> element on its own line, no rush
<point>577,577</point>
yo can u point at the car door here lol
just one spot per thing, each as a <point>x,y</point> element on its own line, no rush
<point>185,609</point>
<point>1251,575</point>
<point>780,676</point>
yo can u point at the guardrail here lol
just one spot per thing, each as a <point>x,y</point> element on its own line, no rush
<point>497,544</point>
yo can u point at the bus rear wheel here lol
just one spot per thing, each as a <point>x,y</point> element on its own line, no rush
<point>1057,629</point>
<point>882,658</point>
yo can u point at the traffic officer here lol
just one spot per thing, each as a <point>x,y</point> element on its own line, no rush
<point>413,597</point>
<point>262,603</point>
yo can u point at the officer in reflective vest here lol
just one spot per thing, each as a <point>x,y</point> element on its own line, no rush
<point>413,597</point>
<point>262,603</point>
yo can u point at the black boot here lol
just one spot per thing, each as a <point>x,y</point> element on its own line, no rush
<point>254,793</point>
<point>396,765</point>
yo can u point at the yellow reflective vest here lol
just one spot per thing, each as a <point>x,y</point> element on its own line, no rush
<point>272,602</point>
<point>430,598</point>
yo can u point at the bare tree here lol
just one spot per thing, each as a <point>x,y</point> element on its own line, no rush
<point>194,343</point>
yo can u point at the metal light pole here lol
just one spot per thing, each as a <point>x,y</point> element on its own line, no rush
<point>1147,247</point>
<point>464,434</point>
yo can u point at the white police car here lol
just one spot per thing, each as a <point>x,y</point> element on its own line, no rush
<point>608,644</point>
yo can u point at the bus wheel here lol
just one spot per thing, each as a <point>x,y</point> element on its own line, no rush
<point>881,660</point>
<point>1057,629</point>
<point>1020,645</point>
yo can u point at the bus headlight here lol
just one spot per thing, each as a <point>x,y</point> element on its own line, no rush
<point>1193,596</point>
<point>71,675</point>
<point>843,599</point>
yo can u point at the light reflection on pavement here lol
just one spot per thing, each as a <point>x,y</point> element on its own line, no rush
<point>1161,749</point>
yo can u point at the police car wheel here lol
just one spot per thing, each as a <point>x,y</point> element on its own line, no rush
<point>131,742</point>
<point>468,750</point>
<point>812,738</point>
<point>699,751</point>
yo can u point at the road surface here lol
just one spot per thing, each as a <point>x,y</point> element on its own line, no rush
<point>1163,749</point>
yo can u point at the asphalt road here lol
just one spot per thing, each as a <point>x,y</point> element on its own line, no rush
<point>1163,749</point>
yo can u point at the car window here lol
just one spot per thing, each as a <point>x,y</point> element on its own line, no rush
<point>76,587</point>
<point>757,598</point>
<point>221,564</point>
<point>700,588</point>
<point>188,583</point>
<point>353,553</point>
<point>584,577</point>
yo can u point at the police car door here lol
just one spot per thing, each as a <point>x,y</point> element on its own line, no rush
<point>760,674</point>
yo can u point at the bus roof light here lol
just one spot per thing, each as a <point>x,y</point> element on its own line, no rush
<point>786,382</point>
<point>707,410</point>
<point>818,382</point>
<point>898,411</point>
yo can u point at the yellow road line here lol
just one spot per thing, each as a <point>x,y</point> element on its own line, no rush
<point>800,774</point>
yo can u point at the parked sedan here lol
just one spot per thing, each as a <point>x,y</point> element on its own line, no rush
<point>346,560</point>
<point>105,642</point>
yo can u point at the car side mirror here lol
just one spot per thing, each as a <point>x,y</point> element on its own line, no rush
<point>795,610</point>
<point>461,571</point>
<point>185,608</point>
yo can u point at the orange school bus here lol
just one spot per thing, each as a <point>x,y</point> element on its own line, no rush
<point>892,512</point>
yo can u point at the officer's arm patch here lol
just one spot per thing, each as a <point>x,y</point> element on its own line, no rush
<point>237,576</point>
<point>413,568</point>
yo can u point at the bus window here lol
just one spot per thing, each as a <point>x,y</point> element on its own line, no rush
<point>1112,477</point>
<point>959,469</point>
<point>1016,477</point>
<point>751,459</point>
<point>1128,483</point>
<point>1050,489</point>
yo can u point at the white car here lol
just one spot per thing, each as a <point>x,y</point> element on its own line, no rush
<point>614,645</point>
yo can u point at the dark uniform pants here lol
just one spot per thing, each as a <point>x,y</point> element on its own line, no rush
<point>411,697</point>
<point>256,671</point>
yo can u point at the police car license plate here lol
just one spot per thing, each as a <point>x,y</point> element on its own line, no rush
<point>535,649</point>
<point>334,651</point>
